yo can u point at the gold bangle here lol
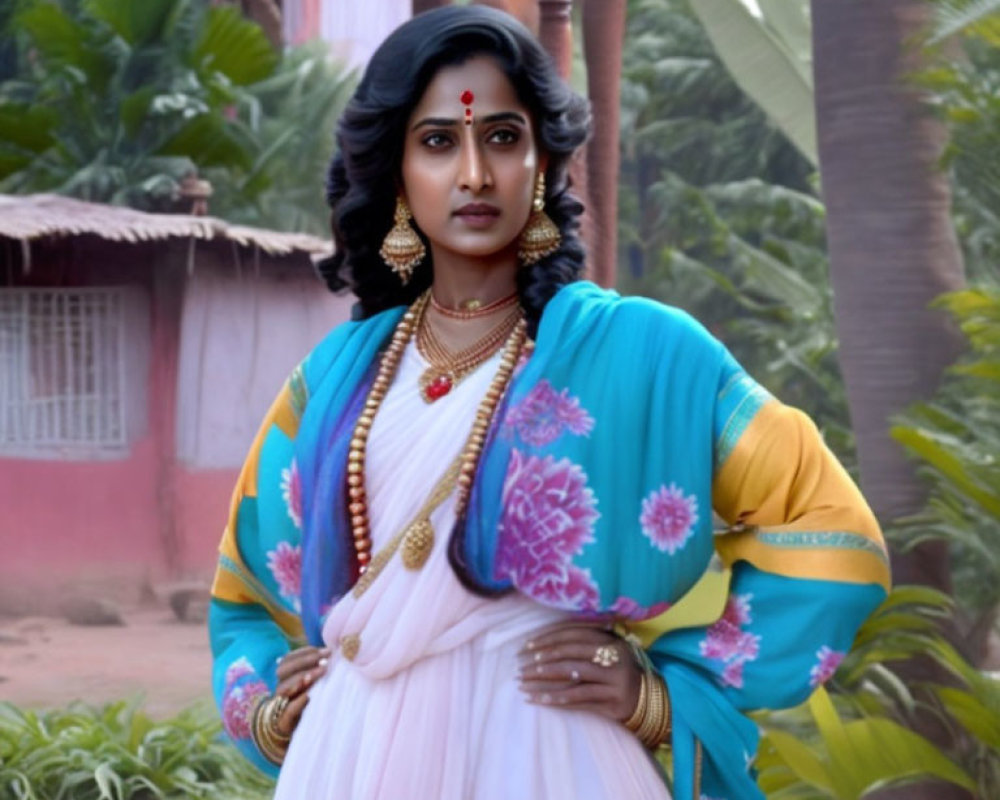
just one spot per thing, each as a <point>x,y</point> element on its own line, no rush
<point>271,743</point>
<point>653,720</point>
<point>634,721</point>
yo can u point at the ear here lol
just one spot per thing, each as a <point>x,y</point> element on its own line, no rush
<point>543,161</point>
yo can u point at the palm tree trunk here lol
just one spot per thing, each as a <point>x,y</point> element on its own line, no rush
<point>604,36</point>
<point>892,250</point>
<point>891,241</point>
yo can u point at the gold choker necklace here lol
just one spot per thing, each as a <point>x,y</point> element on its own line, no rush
<point>473,309</point>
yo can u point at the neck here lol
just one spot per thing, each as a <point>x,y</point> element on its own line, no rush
<point>458,279</point>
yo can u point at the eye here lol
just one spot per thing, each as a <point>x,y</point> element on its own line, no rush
<point>436,140</point>
<point>504,136</point>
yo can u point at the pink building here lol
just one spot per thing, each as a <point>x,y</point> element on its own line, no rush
<point>138,353</point>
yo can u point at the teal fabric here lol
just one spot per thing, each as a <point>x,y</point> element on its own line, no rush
<point>593,495</point>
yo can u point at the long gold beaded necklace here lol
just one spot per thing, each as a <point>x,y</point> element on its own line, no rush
<point>417,538</point>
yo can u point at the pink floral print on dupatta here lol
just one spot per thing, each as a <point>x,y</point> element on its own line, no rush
<point>542,416</point>
<point>548,517</point>
<point>239,698</point>
<point>291,493</point>
<point>726,641</point>
<point>668,518</point>
<point>285,564</point>
<point>826,664</point>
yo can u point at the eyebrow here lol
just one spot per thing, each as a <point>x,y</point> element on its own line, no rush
<point>446,122</point>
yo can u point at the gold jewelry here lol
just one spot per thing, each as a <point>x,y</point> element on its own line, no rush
<point>402,250</point>
<point>271,742</point>
<point>459,473</point>
<point>540,237</point>
<point>447,369</point>
<point>473,309</point>
<point>651,719</point>
<point>606,655</point>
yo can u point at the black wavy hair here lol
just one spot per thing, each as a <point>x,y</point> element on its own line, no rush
<point>365,172</point>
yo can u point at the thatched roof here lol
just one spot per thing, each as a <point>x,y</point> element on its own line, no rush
<point>38,216</point>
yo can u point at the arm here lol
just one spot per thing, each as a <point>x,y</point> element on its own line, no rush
<point>808,565</point>
<point>253,617</point>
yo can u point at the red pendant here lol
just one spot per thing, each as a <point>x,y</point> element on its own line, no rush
<point>437,388</point>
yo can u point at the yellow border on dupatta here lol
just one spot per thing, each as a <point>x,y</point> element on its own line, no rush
<point>234,582</point>
<point>837,538</point>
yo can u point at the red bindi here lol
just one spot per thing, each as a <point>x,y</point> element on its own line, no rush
<point>467,98</point>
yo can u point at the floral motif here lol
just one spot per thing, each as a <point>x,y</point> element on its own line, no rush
<point>544,414</point>
<point>668,518</point>
<point>240,668</point>
<point>291,493</point>
<point>238,701</point>
<point>629,608</point>
<point>726,641</point>
<point>827,662</point>
<point>549,515</point>
<point>238,705</point>
<point>285,563</point>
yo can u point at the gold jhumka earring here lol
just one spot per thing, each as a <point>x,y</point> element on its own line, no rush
<point>402,250</point>
<point>540,236</point>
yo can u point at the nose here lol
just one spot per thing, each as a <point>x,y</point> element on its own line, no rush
<point>474,172</point>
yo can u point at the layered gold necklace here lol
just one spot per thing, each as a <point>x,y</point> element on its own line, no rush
<point>446,368</point>
<point>417,538</point>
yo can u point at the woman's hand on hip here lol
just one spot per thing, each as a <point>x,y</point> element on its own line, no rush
<point>297,672</point>
<point>582,666</point>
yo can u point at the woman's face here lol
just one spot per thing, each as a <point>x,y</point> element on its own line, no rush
<point>470,187</point>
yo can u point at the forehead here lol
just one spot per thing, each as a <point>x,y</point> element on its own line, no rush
<point>482,76</point>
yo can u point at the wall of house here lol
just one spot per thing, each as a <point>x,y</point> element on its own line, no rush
<point>208,347</point>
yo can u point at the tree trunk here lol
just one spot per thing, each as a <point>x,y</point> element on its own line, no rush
<point>891,241</point>
<point>604,35</point>
<point>892,251</point>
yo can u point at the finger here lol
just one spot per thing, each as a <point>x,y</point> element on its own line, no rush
<point>575,695</point>
<point>577,651</point>
<point>288,721</point>
<point>571,672</point>
<point>301,681</point>
<point>304,658</point>
<point>583,630</point>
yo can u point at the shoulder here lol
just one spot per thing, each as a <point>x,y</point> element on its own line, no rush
<point>636,321</point>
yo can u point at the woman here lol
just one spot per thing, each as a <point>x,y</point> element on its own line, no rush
<point>495,463</point>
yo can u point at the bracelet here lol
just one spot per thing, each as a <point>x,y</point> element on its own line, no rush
<point>651,719</point>
<point>272,743</point>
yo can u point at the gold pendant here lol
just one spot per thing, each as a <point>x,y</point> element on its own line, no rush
<point>417,544</point>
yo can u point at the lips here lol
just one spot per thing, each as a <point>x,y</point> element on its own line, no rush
<point>478,210</point>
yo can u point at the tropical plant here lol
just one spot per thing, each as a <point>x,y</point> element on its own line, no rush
<point>718,214</point>
<point>857,740</point>
<point>119,753</point>
<point>117,102</point>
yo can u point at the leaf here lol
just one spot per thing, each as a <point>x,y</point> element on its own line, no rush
<point>799,758</point>
<point>235,47</point>
<point>765,67</point>
<point>136,23</point>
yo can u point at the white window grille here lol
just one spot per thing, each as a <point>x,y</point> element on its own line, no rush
<point>62,372</point>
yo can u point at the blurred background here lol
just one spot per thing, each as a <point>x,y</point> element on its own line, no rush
<point>818,182</point>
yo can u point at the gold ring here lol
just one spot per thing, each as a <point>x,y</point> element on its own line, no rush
<point>606,655</point>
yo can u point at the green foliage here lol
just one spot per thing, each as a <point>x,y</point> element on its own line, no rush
<point>718,214</point>
<point>115,101</point>
<point>956,438</point>
<point>852,742</point>
<point>118,753</point>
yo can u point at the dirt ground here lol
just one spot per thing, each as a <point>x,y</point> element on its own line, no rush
<point>47,662</point>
